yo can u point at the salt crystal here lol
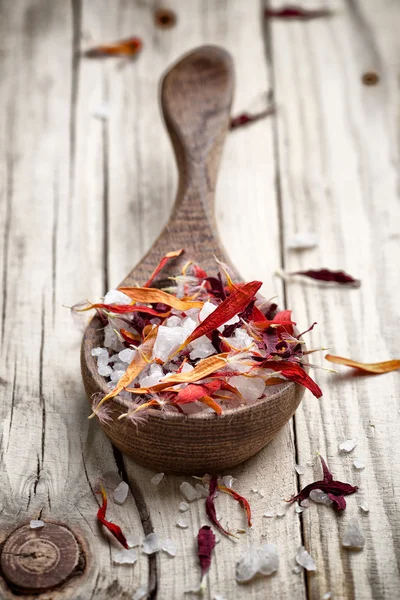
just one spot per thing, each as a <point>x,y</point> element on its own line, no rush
<point>140,593</point>
<point>151,544</point>
<point>327,596</point>
<point>203,491</point>
<point>105,371</point>
<point>299,510</point>
<point>228,481</point>
<point>261,493</point>
<point>297,569</point>
<point>304,559</point>
<point>120,493</point>
<point>102,112</point>
<point>111,339</point>
<point>251,388</point>
<point>359,465</point>
<point>196,589</point>
<point>182,524</point>
<point>320,497</point>
<point>218,597</point>
<point>116,297</point>
<point>153,376</point>
<point>303,240</point>
<point>168,340</point>
<point>241,339</point>
<point>353,536</point>
<point>132,540</point>
<point>157,478</point>
<point>348,445</point>
<point>103,358</point>
<point>300,470</point>
<point>98,351</point>
<point>36,524</point>
<point>263,559</point>
<point>254,490</point>
<point>173,321</point>
<point>232,321</point>
<point>189,491</point>
<point>169,547</point>
<point>184,506</point>
<point>126,355</point>
<point>120,366</point>
<point>188,325</point>
<point>281,513</point>
<point>201,348</point>
<point>125,557</point>
<point>305,503</point>
<point>269,514</point>
<point>364,507</point>
<point>206,310</point>
<point>116,375</point>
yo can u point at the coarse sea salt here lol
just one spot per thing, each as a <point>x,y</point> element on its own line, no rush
<point>320,497</point>
<point>251,388</point>
<point>140,593</point>
<point>303,240</point>
<point>116,297</point>
<point>182,524</point>
<point>348,445</point>
<point>359,465</point>
<point>156,480</point>
<point>300,470</point>
<point>169,547</point>
<point>36,524</point>
<point>304,559</point>
<point>125,557</point>
<point>228,481</point>
<point>126,355</point>
<point>120,493</point>
<point>189,491</point>
<point>353,537</point>
<point>133,540</point>
<point>168,341</point>
<point>262,560</point>
<point>151,544</point>
<point>184,506</point>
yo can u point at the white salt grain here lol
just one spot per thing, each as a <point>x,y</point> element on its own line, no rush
<point>126,355</point>
<point>111,339</point>
<point>169,547</point>
<point>359,465</point>
<point>36,524</point>
<point>304,559</point>
<point>116,297</point>
<point>104,371</point>
<point>140,593</point>
<point>182,524</point>
<point>348,445</point>
<point>320,497</point>
<point>305,503</point>
<point>120,493</point>
<point>189,491</point>
<point>151,544</point>
<point>300,470</point>
<point>207,309</point>
<point>251,388</point>
<point>228,481</point>
<point>263,559</point>
<point>125,557</point>
<point>97,351</point>
<point>364,507</point>
<point>353,536</point>
<point>299,510</point>
<point>280,513</point>
<point>203,491</point>
<point>327,596</point>
<point>133,540</point>
<point>269,515</point>
<point>184,506</point>
<point>297,569</point>
<point>173,321</point>
<point>201,348</point>
<point>156,480</point>
<point>303,240</point>
<point>152,376</point>
<point>168,340</point>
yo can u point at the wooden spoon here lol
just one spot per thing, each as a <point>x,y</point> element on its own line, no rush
<point>196,96</point>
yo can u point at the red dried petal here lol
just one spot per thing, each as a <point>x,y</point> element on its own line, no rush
<point>296,12</point>
<point>241,499</point>
<point>210,506</point>
<point>161,265</point>
<point>194,391</point>
<point>128,47</point>
<point>294,372</point>
<point>205,546</point>
<point>114,529</point>
<point>339,277</point>
<point>123,309</point>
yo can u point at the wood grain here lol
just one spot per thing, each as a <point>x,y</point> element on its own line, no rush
<point>83,199</point>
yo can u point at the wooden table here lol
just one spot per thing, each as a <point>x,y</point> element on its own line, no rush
<point>82,199</point>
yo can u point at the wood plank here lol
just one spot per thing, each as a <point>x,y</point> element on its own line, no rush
<point>338,156</point>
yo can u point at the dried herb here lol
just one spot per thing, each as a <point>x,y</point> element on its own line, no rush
<point>339,277</point>
<point>336,490</point>
<point>247,118</point>
<point>210,506</point>
<point>205,546</point>
<point>164,18</point>
<point>241,499</point>
<point>161,265</point>
<point>129,47</point>
<point>234,303</point>
<point>292,12</point>
<point>153,296</point>
<point>123,309</point>
<point>294,372</point>
<point>114,529</point>
<point>373,368</point>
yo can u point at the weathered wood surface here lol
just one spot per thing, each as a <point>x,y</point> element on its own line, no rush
<point>82,200</point>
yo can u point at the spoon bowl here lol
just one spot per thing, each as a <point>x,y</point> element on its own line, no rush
<point>196,96</point>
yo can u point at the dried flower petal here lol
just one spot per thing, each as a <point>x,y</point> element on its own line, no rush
<point>293,372</point>
<point>241,499</point>
<point>210,506</point>
<point>155,296</point>
<point>114,529</point>
<point>205,546</point>
<point>128,47</point>
<point>328,276</point>
<point>374,368</point>
<point>162,264</point>
<point>246,118</point>
<point>296,12</point>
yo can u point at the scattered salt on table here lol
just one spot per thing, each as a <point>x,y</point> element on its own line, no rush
<point>228,481</point>
<point>303,240</point>
<point>304,559</point>
<point>300,470</point>
<point>359,465</point>
<point>327,596</point>
<point>305,503</point>
<point>203,491</point>
<point>184,506</point>
<point>364,507</point>
<point>280,513</point>
<point>320,497</point>
<point>182,524</point>
<point>353,536</point>
<point>269,515</point>
<point>299,509</point>
<point>348,445</point>
<point>189,491</point>
<point>151,544</point>
<point>169,547</point>
<point>120,493</point>
<point>140,593</point>
<point>125,557</point>
<point>36,524</point>
<point>133,540</point>
<point>263,559</point>
<point>157,478</point>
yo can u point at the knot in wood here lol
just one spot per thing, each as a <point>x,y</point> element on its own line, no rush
<point>39,559</point>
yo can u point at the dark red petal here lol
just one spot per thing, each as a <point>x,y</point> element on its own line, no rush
<point>205,546</point>
<point>210,507</point>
